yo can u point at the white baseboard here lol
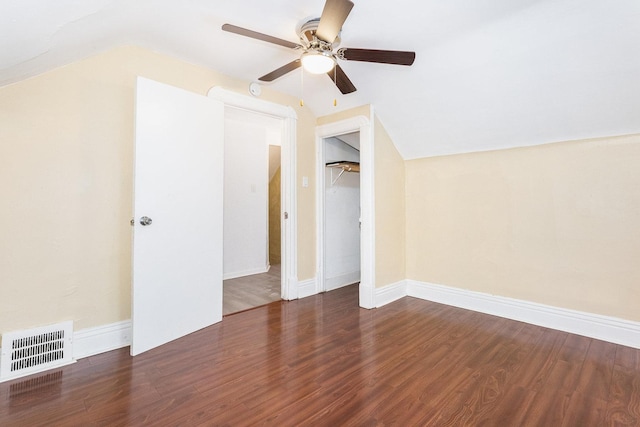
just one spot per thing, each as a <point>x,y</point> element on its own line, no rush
<point>92,341</point>
<point>306,288</point>
<point>336,282</point>
<point>390,293</point>
<point>250,272</point>
<point>100,339</point>
<point>611,329</point>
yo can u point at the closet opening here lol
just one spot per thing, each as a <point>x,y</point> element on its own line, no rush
<point>341,211</point>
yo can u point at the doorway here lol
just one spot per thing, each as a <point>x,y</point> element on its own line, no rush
<point>363,126</point>
<point>252,210</point>
<point>179,152</point>
<point>341,211</point>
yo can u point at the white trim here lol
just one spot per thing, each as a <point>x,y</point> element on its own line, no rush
<point>364,125</point>
<point>244,273</point>
<point>368,213</point>
<point>391,293</point>
<point>289,201</point>
<point>100,339</point>
<point>320,195</point>
<point>614,330</point>
<point>306,288</point>
<point>251,104</point>
<point>289,204</point>
<point>292,290</point>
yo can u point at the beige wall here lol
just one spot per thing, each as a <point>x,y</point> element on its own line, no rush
<point>556,224</point>
<point>66,145</point>
<point>389,186</point>
<point>363,110</point>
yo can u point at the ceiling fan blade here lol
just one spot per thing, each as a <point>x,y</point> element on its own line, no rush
<point>256,35</point>
<point>334,14</point>
<point>341,80</point>
<point>280,71</point>
<point>397,57</point>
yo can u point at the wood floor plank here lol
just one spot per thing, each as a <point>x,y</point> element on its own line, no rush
<point>322,360</point>
<point>504,414</point>
<point>597,370</point>
<point>542,359</point>
<point>585,410</point>
<point>548,408</point>
<point>623,407</point>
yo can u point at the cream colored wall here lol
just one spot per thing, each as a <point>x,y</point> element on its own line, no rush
<point>390,209</point>
<point>556,224</point>
<point>306,204</point>
<point>363,110</point>
<point>66,144</point>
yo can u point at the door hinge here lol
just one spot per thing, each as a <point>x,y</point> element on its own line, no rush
<point>286,215</point>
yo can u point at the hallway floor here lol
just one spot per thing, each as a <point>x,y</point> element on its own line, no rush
<point>247,292</point>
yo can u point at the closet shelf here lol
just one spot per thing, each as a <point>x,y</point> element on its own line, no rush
<point>345,166</point>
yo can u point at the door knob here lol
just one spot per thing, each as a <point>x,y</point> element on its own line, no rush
<point>145,220</point>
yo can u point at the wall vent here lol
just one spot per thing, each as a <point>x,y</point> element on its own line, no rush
<point>35,350</point>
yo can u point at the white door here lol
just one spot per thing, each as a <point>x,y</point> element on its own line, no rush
<point>177,257</point>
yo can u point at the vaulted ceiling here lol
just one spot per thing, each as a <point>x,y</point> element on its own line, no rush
<point>488,74</point>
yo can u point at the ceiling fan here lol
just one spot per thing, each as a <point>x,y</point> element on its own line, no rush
<point>318,39</point>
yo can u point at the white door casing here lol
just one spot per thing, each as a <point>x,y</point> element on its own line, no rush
<point>177,259</point>
<point>367,207</point>
<point>289,232</point>
<point>341,215</point>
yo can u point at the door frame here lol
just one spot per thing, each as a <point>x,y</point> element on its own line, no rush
<point>363,125</point>
<point>288,198</point>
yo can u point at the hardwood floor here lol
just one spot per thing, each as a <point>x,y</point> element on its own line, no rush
<point>247,292</point>
<point>324,361</point>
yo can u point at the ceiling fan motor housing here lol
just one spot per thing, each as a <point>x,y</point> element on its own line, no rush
<point>308,38</point>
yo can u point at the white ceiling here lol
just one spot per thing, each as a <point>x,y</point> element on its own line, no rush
<point>488,74</point>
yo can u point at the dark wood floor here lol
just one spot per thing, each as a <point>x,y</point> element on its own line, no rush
<point>324,361</point>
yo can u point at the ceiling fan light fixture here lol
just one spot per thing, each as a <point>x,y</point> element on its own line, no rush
<point>316,62</point>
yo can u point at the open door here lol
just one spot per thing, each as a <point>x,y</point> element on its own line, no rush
<point>177,238</point>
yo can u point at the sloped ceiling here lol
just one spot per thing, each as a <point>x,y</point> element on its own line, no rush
<point>488,74</point>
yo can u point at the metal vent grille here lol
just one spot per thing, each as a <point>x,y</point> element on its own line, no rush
<point>35,350</point>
